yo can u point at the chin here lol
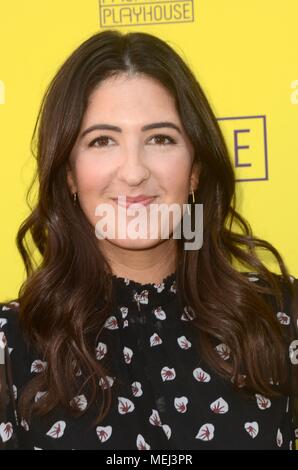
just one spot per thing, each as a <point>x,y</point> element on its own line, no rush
<point>138,244</point>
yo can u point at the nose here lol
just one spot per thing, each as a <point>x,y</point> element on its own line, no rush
<point>133,168</point>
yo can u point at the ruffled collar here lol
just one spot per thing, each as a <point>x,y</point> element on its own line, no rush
<point>138,296</point>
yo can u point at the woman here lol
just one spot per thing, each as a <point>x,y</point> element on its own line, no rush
<point>125,343</point>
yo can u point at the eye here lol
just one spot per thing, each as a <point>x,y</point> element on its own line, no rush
<point>102,138</point>
<point>162,137</point>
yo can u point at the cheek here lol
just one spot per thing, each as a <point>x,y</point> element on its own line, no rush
<point>178,178</point>
<point>91,177</point>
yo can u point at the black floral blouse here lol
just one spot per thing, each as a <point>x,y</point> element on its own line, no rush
<point>164,395</point>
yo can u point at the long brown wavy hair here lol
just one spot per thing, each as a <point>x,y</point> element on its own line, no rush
<point>67,297</point>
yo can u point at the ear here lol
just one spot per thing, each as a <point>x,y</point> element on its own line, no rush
<point>70,179</point>
<point>194,177</point>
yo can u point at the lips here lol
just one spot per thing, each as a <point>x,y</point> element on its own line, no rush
<point>136,201</point>
<point>140,198</point>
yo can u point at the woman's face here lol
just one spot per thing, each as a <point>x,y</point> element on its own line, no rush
<point>127,160</point>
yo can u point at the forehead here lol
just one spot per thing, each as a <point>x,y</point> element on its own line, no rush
<point>123,95</point>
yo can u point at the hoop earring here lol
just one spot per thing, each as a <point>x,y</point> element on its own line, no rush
<point>193,200</point>
<point>74,198</point>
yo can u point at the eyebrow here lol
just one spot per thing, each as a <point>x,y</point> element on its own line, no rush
<point>154,125</point>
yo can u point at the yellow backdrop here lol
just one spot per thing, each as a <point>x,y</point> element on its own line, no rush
<point>243,53</point>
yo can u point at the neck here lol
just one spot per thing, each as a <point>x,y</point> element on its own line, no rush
<point>150,265</point>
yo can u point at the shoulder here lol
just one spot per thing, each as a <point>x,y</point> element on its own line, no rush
<point>282,296</point>
<point>9,322</point>
<point>285,308</point>
<point>22,355</point>
<point>9,312</point>
<point>12,335</point>
<point>288,287</point>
